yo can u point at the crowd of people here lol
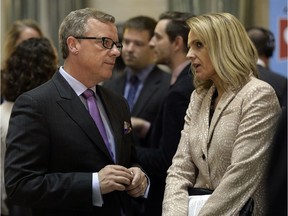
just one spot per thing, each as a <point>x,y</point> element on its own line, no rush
<point>77,140</point>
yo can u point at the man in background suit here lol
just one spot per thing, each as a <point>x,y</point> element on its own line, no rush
<point>170,46</point>
<point>276,182</point>
<point>139,59</point>
<point>264,42</point>
<point>57,162</point>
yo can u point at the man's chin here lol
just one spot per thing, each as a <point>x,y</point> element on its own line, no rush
<point>129,63</point>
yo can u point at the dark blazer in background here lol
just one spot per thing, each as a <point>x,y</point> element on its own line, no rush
<point>278,82</point>
<point>54,147</point>
<point>164,137</point>
<point>277,171</point>
<point>150,98</point>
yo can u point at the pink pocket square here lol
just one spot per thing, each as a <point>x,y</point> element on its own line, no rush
<point>127,127</point>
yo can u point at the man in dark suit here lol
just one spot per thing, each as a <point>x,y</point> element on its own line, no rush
<point>264,41</point>
<point>58,163</point>
<point>170,46</point>
<point>152,82</point>
<point>276,182</point>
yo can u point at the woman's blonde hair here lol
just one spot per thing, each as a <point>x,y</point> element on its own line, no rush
<point>232,53</point>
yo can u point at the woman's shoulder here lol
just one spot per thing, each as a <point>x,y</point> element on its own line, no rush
<point>255,85</point>
<point>256,91</point>
<point>253,81</point>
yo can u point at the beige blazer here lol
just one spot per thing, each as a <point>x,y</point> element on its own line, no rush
<point>229,156</point>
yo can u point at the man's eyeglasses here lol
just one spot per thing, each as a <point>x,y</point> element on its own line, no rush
<point>107,43</point>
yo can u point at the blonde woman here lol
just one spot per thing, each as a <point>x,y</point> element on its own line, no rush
<point>229,123</point>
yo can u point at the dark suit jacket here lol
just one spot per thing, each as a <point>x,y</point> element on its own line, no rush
<point>164,137</point>
<point>54,147</point>
<point>278,82</point>
<point>276,182</point>
<point>148,103</point>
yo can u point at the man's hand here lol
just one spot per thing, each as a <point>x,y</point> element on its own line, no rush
<point>140,126</point>
<point>139,183</point>
<point>114,177</point>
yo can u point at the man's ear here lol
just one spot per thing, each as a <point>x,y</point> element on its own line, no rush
<point>73,45</point>
<point>178,43</point>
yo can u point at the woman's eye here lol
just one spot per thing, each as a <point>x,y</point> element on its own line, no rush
<point>199,44</point>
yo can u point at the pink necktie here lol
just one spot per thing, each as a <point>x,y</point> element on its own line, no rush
<point>95,114</point>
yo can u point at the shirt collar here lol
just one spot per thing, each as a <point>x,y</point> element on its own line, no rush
<point>76,85</point>
<point>261,63</point>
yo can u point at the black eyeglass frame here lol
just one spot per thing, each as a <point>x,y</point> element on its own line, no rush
<point>119,45</point>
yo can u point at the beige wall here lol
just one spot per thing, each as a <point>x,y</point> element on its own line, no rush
<point>261,9</point>
<point>121,9</point>
<point>125,9</point>
<point>4,24</point>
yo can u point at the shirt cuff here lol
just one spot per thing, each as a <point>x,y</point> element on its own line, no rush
<point>96,193</point>
<point>148,187</point>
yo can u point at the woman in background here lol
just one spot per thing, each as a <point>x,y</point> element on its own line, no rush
<point>229,123</point>
<point>19,31</point>
<point>32,63</point>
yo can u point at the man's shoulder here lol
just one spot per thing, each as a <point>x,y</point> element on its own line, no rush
<point>161,70</point>
<point>269,75</point>
<point>109,93</point>
<point>183,86</point>
<point>185,78</point>
<point>159,74</point>
<point>114,80</point>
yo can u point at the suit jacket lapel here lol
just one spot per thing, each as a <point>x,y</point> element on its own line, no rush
<point>151,85</point>
<point>112,116</point>
<point>73,106</point>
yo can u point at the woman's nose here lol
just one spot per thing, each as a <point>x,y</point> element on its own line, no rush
<point>191,54</point>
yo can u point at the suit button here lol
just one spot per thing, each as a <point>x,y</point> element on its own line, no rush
<point>203,157</point>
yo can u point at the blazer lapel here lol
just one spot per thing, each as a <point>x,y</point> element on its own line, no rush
<point>73,106</point>
<point>226,98</point>
<point>204,101</point>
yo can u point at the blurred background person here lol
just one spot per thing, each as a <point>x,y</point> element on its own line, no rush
<point>276,176</point>
<point>119,63</point>
<point>229,124</point>
<point>276,184</point>
<point>31,63</point>
<point>143,83</point>
<point>20,30</point>
<point>264,41</point>
<point>170,47</point>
